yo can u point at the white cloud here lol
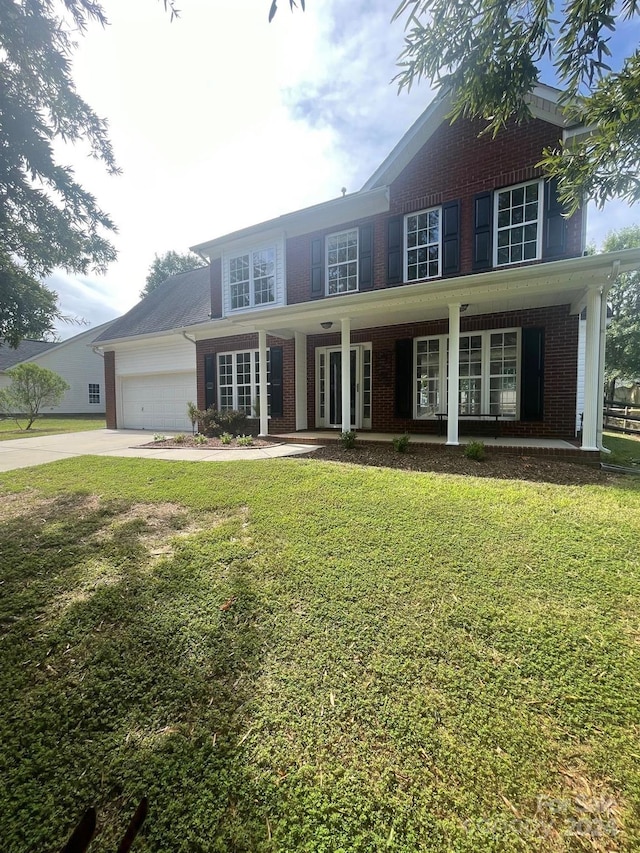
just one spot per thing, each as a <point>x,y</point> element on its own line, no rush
<point>220,120</point>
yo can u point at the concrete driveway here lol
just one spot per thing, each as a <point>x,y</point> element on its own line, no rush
<point>23,452</point>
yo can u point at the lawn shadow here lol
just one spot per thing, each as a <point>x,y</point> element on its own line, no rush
<point>130,659</point>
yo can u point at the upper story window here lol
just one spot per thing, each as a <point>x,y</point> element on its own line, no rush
<point>518,224</point>
<point>342,262</point>
<point>252,279</point>
<point>423,245</point>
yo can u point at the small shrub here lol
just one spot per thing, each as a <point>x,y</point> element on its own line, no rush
<point>401,443</point>
<point>214,423</point>
<point>179,438</point>
<point>200,439</point>
<point>475,450</point>
<point>348,439</point>
<point>244,440</point>
<point>158,436</point>
<point>194,414</point>
<point>226,438</point>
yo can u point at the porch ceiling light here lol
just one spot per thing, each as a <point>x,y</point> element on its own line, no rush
<point>327,324</point>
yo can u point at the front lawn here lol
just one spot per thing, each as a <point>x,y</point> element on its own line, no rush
<point>48,426</point>
<point>294,655</point>
<point>625,449</point>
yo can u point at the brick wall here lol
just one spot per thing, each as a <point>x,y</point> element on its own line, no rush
<point>560,372</point>
<point>454,165</point>
<point>110,389</point>
<point>287,422</point>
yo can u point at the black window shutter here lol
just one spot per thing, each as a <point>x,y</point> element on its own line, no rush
<point>275,376</point>
<point>395,266</point>
<point>483,231</point>
<point>365,257</point>
<point>209,380</point>
<point>317,268</point>
<point>532,394</point>
<point>451,238</point>
<point>555,225</point>
<point>404,374</point>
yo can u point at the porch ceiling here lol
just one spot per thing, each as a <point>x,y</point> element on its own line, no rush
<point>555,283</point>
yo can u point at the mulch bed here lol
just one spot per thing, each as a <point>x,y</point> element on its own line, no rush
<point>442,460</point>
<point>437,459</point>
<point>209,444</point>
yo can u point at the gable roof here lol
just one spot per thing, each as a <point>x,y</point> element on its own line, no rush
<point>544,103</point>
<point>25,350</point>
<point>180,301</point>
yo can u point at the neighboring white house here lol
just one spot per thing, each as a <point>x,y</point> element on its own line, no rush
<point>75,360</point>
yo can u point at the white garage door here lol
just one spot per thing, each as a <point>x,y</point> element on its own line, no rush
<point>157,402</point>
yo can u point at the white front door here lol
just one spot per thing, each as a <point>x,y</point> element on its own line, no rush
<point>329,387</point>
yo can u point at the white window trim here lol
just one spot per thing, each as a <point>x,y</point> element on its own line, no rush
<point>252,293</point>
<point>90,393</point>
<point>484,374</point>
<point>254,353</point>
<point>326,261</point>
<point>406,246</point>
<point>540,223</point>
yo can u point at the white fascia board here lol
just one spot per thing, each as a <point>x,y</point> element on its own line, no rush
<point>326,215</point>
<point>147,336</point>
<point>413,140</point>
<point>567,275</point>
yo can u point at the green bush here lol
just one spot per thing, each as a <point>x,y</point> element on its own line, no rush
<point>159,436</point>
<point>179,438</point>
<point>475,450</point>
<point>214,423</point>
<point>348,439</point>
<point>226,438</point>
<point>244,440</point>
<point>401,443</point>
<point>200,439</point>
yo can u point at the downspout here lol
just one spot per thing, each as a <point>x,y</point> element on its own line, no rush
<point>602,347</point>
<point>187,338</point>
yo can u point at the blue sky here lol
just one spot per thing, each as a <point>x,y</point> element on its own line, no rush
<point>220,120</point>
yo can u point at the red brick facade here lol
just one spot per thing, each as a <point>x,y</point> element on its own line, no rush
<point>454,165</point>
<point>110,389</point>
<point>287,423</point>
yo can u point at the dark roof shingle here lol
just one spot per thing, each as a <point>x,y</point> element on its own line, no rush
<point>182,300</point>
<point>25,349</point>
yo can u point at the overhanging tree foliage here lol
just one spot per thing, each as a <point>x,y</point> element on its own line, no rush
<point>488,55</point>
<point>31,388</point>
<point>168,264</point>
<point>623,330</point>
<point>47,219</point>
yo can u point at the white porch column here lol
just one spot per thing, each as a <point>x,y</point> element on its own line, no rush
<point>301,379</point>
<point>345,342</point>
<point>601,357</point>
<point>262,357</point>
<point>454,371</point>
<point>592,406</point>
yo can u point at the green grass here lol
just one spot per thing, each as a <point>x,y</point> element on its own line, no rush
<point>625,450</point>
<point>291,655</point>
<point>48,426</point>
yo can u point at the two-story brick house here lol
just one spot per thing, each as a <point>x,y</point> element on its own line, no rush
<point>445,293</point>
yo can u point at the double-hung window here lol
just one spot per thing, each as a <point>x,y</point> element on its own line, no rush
<point>489,370</point>
<point>518,223</point>
<point>239,381</point>
<point>423,245</point>
<point>94,392</point>
<point>252,279</point>
<point>342,262</point>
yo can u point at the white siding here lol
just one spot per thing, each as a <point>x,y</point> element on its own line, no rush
<point>278,245</point>
<point>157,355</point>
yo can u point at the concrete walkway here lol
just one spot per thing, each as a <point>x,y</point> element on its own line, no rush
<point>24,452</point>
